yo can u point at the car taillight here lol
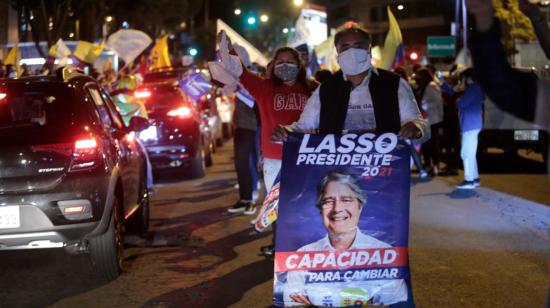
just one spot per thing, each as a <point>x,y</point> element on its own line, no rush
<point>85,154</point>
<point>2,96</point>
<point>181,112</point>
<point>85,144</point>
<point>142,94</point>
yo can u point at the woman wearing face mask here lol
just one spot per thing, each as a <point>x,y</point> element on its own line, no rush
<point>280,97</point>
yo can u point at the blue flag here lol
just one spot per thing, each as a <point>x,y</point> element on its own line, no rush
<point>245,97</point>
<point>195,85</point>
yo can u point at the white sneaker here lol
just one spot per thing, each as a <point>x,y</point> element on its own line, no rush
<point>466,185</point>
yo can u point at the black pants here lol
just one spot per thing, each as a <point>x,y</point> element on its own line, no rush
<point>244,147</point>
<point>451,142</point>
<point>431,150</point>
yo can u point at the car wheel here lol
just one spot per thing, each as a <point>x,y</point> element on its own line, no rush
<point>139,223</point>
<point>198,165</point>
<point>107,250</point>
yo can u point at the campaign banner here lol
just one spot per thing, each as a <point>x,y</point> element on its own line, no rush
<point>343,221</point>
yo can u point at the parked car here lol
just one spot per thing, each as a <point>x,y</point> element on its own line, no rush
<point>71,173</point>
<point>177,138</point>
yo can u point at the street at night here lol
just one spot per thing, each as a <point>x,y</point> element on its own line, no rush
<point>288,153</point>
<point>486,248</point>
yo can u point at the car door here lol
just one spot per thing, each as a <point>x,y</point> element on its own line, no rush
<point>121,151</point>
<point>137,159</point>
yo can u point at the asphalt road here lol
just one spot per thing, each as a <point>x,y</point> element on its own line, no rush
<point>483,248</point>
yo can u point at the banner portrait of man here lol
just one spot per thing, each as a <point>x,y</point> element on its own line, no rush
<point>343,224</point>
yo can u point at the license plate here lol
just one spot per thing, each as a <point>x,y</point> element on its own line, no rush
<point>9,217</point>
<point>526,135</point>
<point>148,134</point>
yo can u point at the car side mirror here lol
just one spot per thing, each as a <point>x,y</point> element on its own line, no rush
<point>138,124</point>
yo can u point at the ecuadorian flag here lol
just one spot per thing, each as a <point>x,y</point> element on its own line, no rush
<point>393,46</point>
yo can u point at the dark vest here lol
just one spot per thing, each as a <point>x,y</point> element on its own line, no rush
<point>335,93</point>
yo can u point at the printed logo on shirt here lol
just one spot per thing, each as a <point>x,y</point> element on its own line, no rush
<point>359,107</point>
<point>290,101</point>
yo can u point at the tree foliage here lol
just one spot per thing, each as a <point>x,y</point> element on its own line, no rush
<point>157,17</point>
<point>46,19</point>
<point>515,25</point>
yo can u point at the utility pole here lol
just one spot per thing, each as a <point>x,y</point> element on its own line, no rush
<point>465,26</point>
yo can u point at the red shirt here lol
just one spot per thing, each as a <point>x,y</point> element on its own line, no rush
<point>278,104</point>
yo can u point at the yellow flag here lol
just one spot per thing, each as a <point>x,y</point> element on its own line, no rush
<point>393,46</point>
<point>95,52</point>
<point>88,52</point>
<point>13,56</point>
<point>53,51</point>
<point>159,54</point>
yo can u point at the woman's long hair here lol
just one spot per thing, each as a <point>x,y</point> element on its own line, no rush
<point>423,79</point>
<point>300,78</point>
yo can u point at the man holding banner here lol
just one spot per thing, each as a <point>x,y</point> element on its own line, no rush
<point>357,99</point>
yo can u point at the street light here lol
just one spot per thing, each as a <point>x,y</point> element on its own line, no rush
<point>264,18</point>
<point>285,30</point>
<point>400,7</point>
<point>108,18</point>
<point>298,2</point>
<point>237,12</point>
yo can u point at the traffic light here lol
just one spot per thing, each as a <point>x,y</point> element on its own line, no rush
<point>193,51</point>
<point>414,56</point>
<point>251,20</point>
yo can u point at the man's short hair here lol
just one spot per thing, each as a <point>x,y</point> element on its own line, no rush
<point>343,177</point>
<point>352,29</point>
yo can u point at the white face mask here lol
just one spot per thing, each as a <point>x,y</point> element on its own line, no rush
<point>354,61</point>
